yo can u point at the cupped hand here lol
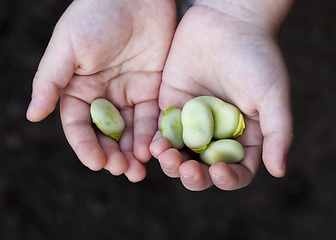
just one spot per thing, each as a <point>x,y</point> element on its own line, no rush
<point>109,49</point>
<point>217,53</point>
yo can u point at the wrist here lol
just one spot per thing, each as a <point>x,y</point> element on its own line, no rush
<point>267,14</point>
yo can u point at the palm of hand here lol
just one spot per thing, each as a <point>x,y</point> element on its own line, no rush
<point>213,54</point>
<point>116,53</point>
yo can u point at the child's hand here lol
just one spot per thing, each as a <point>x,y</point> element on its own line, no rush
<point>231,53</point>
<point>112,49</point>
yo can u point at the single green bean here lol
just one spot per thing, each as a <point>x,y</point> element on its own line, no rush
<point>198,125</point>
<point>228,120</point>
<point>224,150</point>
<point>171,127</point>
<point>107,118</point>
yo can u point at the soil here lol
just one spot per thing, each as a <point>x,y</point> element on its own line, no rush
<point>46,193</point>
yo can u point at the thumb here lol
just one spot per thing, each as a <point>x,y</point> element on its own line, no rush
<point>54,72</point>
<point>277,128</point>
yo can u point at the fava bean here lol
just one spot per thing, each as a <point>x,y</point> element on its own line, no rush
<point>107,118</point>
<point>171,127</point>
<point>228,120</point>
<point>198,125</point>
<point>224,150</point>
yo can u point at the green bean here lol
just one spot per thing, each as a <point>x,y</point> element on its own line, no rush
<point>107,118</point>
<point>171,127</point>
<point>198,125</point>
<point>228,120</point>
<point>224,150</point>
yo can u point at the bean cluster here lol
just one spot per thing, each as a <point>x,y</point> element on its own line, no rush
<point>206,125</point>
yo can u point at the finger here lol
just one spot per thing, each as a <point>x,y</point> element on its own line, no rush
<point>136,170</point>
<point>158,146</point>
<point>235,176</point>
<point>77,125</point>
<point>54,72</point>
<point>195,176</point>
<point>170,161</point>
<point>277,128</point>
<point>145,125</point>
<point>116,162</point>
<point>276,148</point>
<point>169,158</point>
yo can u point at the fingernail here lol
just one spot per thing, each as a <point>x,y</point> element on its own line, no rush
<point>168,168</point>
<point>187,178</point>
<point>31,106</point>
<point>217,179</point>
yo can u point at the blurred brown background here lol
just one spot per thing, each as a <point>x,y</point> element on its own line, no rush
<point>46,193</point>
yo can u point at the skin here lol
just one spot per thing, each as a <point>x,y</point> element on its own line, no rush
<point>235,57</point>
<point>113,49</point>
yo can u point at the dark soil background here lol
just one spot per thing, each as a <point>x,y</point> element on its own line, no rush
<point>46,193</point>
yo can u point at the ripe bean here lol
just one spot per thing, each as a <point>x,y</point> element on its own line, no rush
<point>107,118</point>
<point>171,127</point>
<point>228,120</point>
<point>198,125</point>
<point>224,150</point>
